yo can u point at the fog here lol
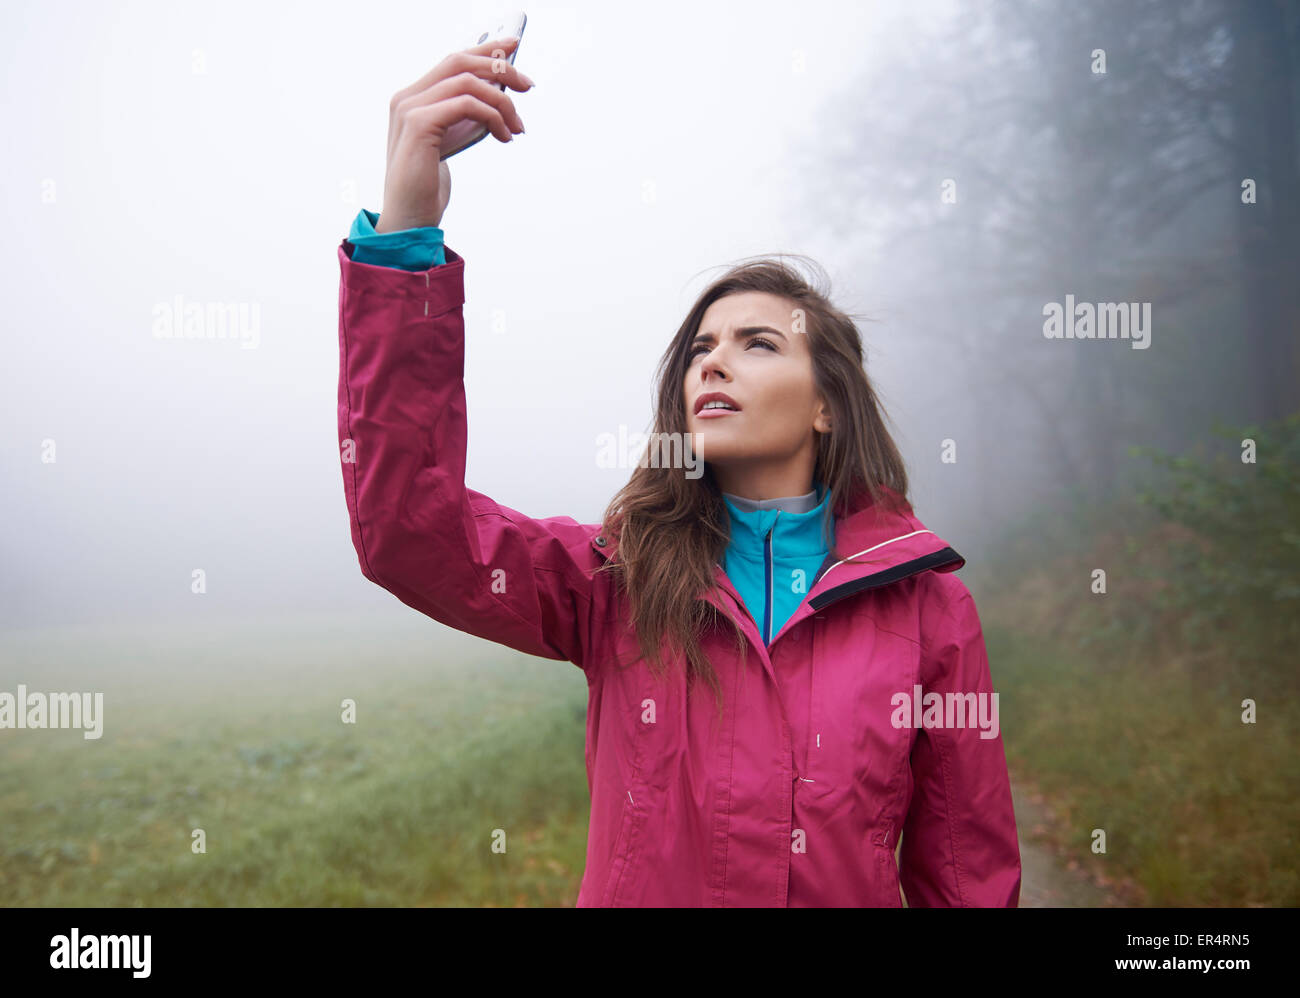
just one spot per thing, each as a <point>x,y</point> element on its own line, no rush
<point>218,154</point>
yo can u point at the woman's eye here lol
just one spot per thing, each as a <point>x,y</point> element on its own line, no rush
<point>757,339</point>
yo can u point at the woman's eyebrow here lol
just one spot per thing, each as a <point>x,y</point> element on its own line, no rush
<point>743,331</point>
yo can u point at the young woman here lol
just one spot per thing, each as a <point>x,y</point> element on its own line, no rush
<point>784,674</point>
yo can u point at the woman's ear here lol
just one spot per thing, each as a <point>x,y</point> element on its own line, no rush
<point>822,421</point>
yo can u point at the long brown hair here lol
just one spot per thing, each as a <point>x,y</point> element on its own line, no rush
<point>670,530</point>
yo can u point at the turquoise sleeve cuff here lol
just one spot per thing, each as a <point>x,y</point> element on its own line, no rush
<point>405,249</point>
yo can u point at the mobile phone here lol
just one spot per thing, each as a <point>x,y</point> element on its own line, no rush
<point>466,132</point>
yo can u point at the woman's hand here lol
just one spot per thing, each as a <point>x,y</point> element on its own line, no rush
<point>417,184</point>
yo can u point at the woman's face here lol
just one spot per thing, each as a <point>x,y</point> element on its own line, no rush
<point>746,349</point>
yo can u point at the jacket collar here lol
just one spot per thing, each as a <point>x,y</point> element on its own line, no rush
<point>879,547</point>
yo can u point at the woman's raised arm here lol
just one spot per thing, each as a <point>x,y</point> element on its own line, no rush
<point>446,550</point>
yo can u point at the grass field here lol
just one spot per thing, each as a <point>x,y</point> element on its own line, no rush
<point>1130,720</point>
<point>1198,808</point>
<point>237,731</point>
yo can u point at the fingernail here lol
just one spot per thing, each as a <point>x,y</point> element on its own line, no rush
<point>525,77</point>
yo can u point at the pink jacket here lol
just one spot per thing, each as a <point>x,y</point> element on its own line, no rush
<point>799,796</point>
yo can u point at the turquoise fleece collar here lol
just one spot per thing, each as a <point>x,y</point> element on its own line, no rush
<point>797,531</point>
<point>772,579</point>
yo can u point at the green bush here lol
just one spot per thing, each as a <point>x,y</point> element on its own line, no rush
<point>1239,553</point>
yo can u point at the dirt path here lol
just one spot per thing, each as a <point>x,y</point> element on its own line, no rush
<point>1049,879</point>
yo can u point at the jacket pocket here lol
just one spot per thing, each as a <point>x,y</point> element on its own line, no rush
<point>884,845</point>
<point>622,876</point>
<point>887,867</point>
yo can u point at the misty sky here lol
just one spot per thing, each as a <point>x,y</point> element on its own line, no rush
<point>218,153</point>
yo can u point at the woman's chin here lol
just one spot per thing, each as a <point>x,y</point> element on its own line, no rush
<point>715,449</point>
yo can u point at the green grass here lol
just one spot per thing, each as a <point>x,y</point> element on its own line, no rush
<point>1147,743</point>
<point>240,735</point>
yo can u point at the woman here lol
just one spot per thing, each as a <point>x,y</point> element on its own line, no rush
<point>759,641</point>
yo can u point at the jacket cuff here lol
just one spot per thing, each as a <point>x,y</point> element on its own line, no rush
<point>438,289</point>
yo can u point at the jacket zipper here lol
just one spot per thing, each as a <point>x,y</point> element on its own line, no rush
<point>768,582</point>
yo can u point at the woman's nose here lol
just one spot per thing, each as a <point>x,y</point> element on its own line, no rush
<point>712,366</point>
